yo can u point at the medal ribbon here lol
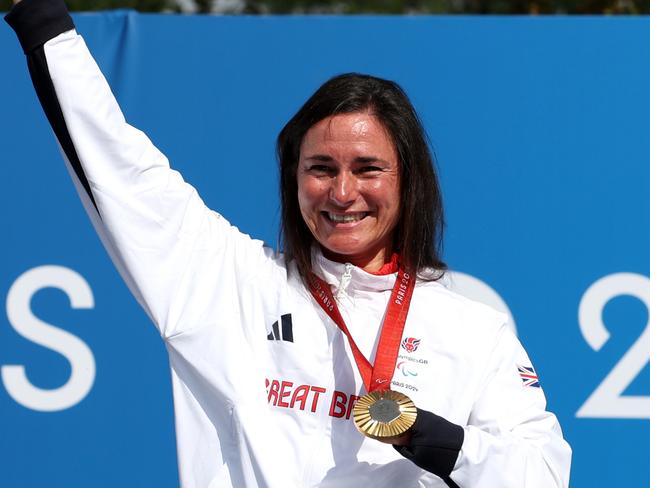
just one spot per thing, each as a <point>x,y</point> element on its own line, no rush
<point>375,377</point>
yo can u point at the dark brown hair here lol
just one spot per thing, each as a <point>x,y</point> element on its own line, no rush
<point>419,230</point>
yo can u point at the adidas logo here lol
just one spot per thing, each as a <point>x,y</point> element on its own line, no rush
<point>284,334</point>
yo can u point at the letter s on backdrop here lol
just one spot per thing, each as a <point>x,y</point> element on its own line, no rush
<point>22,319</point>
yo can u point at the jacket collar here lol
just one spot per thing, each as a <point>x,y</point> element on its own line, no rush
<point>354,278</point>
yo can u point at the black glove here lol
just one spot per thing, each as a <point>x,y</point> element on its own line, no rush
<point>434,445</point>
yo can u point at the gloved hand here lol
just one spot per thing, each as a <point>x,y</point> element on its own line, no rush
<point>434,444</point>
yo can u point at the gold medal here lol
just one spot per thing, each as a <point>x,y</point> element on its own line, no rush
<point>382,414</point>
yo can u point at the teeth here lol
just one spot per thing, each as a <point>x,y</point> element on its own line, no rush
<point>349,217</point>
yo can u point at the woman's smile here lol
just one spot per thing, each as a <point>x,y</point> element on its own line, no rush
<point>345,218</point>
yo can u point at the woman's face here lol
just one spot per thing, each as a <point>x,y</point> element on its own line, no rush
<point>348,188</point>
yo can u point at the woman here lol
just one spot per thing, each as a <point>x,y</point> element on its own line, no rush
<point>361,219</point>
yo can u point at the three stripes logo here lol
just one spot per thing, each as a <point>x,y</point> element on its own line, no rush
<point>282,331</point>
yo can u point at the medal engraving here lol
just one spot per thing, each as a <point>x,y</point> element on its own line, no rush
<point>384,410</point>
<point>384,414</point>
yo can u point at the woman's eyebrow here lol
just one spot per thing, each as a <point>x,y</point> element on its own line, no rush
<point>324,158</point>
<point>369,159</point>
<point>320,157</point>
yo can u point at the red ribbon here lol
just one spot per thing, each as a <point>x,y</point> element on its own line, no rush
<point>375,377</point>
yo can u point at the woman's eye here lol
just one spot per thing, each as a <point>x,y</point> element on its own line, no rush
<point>369,169</point>
<point>320,168</point>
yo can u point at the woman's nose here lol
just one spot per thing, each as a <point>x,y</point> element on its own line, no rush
<point>344,189</point>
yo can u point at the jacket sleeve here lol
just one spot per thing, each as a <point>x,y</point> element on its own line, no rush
<point>169,248</point>
<point>510,440</point>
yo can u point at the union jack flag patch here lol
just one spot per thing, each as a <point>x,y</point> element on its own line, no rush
<point>528,376</point>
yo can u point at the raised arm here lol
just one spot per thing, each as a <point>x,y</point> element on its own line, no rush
<point>162,238</point>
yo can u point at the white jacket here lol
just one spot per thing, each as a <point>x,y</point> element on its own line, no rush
<point>263,380</point>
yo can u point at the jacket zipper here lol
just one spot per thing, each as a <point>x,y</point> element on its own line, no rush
<point>345,281</point>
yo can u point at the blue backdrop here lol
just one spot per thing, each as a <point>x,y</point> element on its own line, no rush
<point>540,127</point>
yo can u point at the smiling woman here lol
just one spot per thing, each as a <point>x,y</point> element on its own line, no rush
<point>348,188</point>
<point>323,324</point>
<point>357,147</point>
